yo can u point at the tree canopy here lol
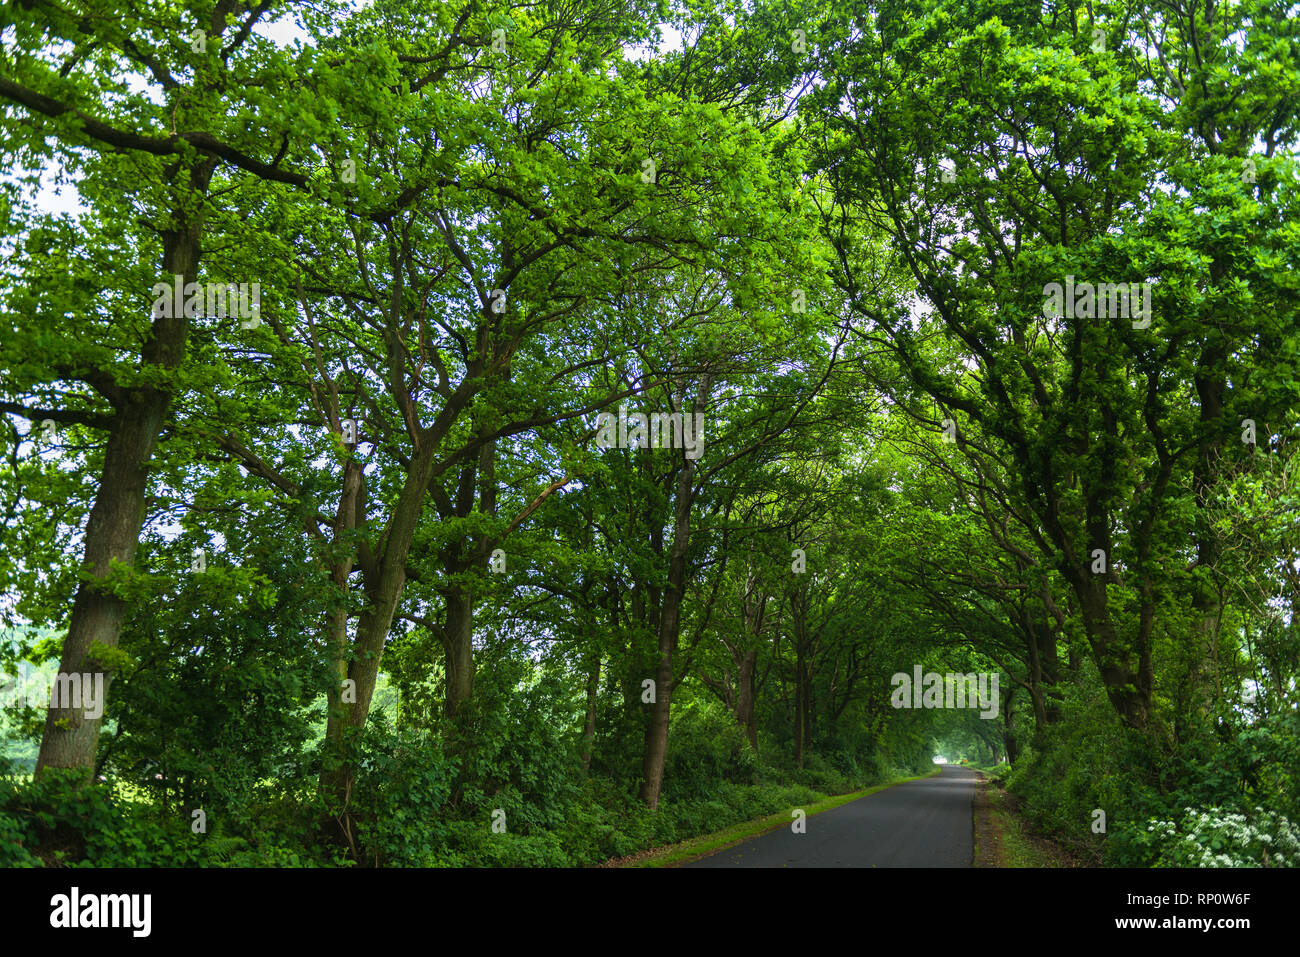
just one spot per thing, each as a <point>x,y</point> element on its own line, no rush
<point>511,433</point>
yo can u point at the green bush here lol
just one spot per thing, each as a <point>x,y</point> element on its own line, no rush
<point>58,821</point>
<point>1216,837</point>
<point>706,747</point>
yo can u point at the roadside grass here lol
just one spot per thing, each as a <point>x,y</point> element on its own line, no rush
<point>1004,839</point>
<point>698,847</point>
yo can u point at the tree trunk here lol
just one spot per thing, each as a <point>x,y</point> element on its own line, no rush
<point>656,743</point>
<point>335,783</point>
<point>800,705</point>
<point>458,643</point>
<point>802,676</point>
<point>1049,665</point>
<point>117,516</point>
<point>1206,603</point>
<point>384,584</point>
<point>1009,731</point>
<point>656,736</point>
<point>589,725</point>
<point>1128,679</point>
<point>745,698</point>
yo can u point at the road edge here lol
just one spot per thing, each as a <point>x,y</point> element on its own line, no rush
<point>692,849</point>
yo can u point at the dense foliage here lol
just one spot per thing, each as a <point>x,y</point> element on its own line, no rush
<point>527,434</point>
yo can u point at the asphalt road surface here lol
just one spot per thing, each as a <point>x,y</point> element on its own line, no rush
<point>924,823</point>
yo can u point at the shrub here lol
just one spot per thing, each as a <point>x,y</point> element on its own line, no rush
<point>1215,837</point>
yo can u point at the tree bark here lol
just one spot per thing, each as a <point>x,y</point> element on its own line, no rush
<point>745,698</point>
<point>1009,736</point>
<point>384,583</point>
<point>589,725</point>
<point>458,643</point>
<point>335,782</point>
<point>656,744</point>
<point>117,515</point>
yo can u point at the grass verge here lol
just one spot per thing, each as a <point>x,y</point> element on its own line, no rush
<point>705,844</point>
<point>1004,839</point>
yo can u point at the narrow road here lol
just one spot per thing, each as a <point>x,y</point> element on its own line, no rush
<point>924,823</point>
